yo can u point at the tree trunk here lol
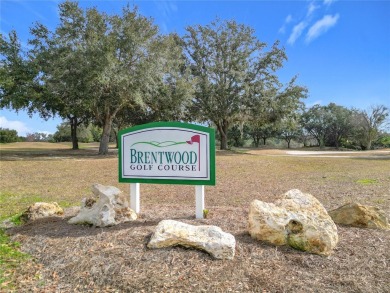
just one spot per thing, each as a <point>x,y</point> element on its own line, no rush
<point>322,143</point>
<point>264,140</point>
<point>241,127</point>
<point>320,140</point>
<point>304,141</point>
<point>223,129</point>
<point>257,142</point>
<point>73,132</point>
<point>288,143</point>
<point>368,145</point>
<point>116,138</point>
<point>103,147</point>
<point>337,144</point>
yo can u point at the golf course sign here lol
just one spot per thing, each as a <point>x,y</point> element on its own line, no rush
<point>167,153</point>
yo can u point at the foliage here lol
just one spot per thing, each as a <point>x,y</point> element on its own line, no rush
<point>230,66</point>
<point>85,134</point>
<point>62,133</point>
<point>290,128</point>
<point>237,136</point>
<point>166,98</point>
<point>331,125</point>
<point>271,102</point>
<point>64,67</point>
<point>261,131</point>
<point>121,48</point>
<point>115,71</point>
<point>340,124</point>
<point>94,65</point>
<point>316,122</point>
<point>337,126</point>
<point>18,86</point>
<point>96,132</point>
<point>383,141</point>
<point>368,124</point>
<point>17,219</point>
<point>38,136</point>
<point>8,135</point>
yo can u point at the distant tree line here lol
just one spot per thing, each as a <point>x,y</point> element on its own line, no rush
<point>324,126</point>
<point>102,73</point>
<point>86,134</point>
<point>8,135</point>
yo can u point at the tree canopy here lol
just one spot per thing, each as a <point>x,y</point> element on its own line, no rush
<point>118,70</point>
<point>18,84</point>
<point>94,66</point>
<point>234,73</point>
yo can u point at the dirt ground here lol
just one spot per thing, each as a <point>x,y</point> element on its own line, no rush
<point>70,258</point>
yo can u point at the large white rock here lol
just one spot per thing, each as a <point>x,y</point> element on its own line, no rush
<point>40,210</point>
<point>297,219</point>
<point>108,207</point>
<point>357,215</point>
<point>211,239</point>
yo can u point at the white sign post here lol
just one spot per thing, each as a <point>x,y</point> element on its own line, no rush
<point>167,153</point>
<point>199,201</point>
<point>135,197</point>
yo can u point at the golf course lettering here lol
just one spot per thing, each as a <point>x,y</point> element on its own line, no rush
<point>183,161</point>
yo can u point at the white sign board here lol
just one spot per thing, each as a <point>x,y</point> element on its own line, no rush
<point>167,152</point>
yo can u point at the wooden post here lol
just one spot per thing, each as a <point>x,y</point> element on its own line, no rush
<point>135,197</point>
<point>199,201</point>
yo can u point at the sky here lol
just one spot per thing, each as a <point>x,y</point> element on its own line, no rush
<point>340,50</point>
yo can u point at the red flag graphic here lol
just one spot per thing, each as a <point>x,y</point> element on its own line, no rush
<point>195,138</point>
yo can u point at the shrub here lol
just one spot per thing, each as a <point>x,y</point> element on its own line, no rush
<point>8,135</point>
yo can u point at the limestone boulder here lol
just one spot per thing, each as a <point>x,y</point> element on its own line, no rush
<point>107,207</point>
<point>211,239</point>
<point>357,215</point>
<point>40,210</point>
<point>296,219</point>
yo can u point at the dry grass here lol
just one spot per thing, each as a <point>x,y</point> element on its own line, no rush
<point>86,259</point>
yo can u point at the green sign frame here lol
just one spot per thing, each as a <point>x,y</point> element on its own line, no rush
<point>207,141</point>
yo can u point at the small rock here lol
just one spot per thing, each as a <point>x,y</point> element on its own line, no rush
<point>108,207</point>
<point>297,219</point>
<point>211,239</point>
<point>357,215</point>
<point>41,210</point>
<point>7,224</point>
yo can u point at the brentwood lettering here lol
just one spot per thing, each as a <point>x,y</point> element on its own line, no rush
<point>166,160</point>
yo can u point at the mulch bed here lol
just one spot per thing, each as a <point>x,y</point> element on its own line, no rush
<point>74,258</point>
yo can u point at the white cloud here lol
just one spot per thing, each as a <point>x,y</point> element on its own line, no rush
<point>19,126</point>
<point>296,32</point>
<point>166,9</point>
<point>288,19</point>
<point>312,7</point>
<point>328,2</point>
<point>321,26</point>
<point>282,29</point>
